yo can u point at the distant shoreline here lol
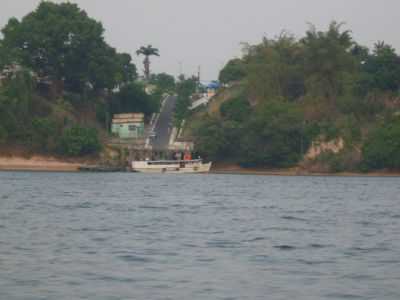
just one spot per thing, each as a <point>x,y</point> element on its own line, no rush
<point>52,164</point>
<point>304,174</point>
<point>237,170</point>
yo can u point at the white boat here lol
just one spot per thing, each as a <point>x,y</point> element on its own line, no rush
<point>171,166</point>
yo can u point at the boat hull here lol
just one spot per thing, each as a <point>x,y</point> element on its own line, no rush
<point>189,167</point>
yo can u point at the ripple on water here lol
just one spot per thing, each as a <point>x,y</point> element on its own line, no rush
<point>357,249</point>
<point>344,296</point>
<point>256,239</point>
<point>293,218</point>
<point>285,247</point>
<point>134,258</point>
<point>223,244</point>
<point>319,246</point>
<point>315,262</point>
<point>153,207</point>
<point>107,278</point>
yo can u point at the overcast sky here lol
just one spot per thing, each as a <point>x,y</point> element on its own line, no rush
<point>208,33</point>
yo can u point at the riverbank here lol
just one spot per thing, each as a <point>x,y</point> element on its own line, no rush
<point>38,163</point>
<point>54,164</point>
<point>223,168</point>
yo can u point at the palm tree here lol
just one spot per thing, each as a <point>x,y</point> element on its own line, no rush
<point>147,52</point>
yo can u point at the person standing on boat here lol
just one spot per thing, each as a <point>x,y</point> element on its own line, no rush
<point>187,156</point>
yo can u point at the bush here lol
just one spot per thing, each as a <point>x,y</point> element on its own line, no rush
<point>275,137</point>
<point>101,114</point>
<point>44,134</point>
<point>214,139</point>
<point>233,71</point>
<point>382,147</point>
<point>237,109</point>
<point>3,135</point>
<point>78,140</point>
<point>362,107</point>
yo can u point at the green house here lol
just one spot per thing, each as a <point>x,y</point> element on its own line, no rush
<point>128,126</point>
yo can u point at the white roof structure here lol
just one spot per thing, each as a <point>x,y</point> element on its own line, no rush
<point>200,102</point>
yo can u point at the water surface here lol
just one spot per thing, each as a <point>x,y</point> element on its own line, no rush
<point>133,236</point>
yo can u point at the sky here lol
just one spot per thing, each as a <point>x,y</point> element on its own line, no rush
<point>207,33</point>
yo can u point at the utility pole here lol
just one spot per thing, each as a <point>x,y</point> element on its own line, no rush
<point>198,79</point>
<point>199,74</point>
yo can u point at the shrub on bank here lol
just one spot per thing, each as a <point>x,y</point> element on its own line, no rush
<point>76,141</point>
<point>382,147</point>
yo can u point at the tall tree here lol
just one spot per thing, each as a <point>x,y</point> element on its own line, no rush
<point>61,44</point>
<point>147,52</point>
<point>328,60</point>
<point>382,69</point>
<point>274,70</point>
<point>233,71</point>
<point>163,81</point>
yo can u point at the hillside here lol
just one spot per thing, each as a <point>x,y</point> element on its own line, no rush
<point>60,84</point>
<point>322,103</point>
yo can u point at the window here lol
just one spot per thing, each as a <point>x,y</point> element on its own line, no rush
<point>132,127</point>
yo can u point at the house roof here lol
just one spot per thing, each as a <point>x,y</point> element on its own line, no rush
<point>128,118</point>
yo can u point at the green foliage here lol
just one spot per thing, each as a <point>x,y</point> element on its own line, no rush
<point>3,135</point>
<point>26,119</point>
<point>185,89</point>
<point>181,109</point>
<point>234,70</point>
<point>147,52</point>
<point>275,137</point>
<point>133,98</point>
<point>217,140</point>
<point>323,85</point>
<point>366,107</point>
<point>275,70</point>
<point>16,105</point>
<point>5,56</point>
<point>381,70</point>
<point>164,82</point>
<point>102,114</point>
<point>77,141</point>
<point>382,148</point>
<point>59,42</point>
<point>44,134</point>
<point>328,60</point>
<point>237,109</point>
<point>334,162</point>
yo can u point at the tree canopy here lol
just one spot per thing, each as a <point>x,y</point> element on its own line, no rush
<point>59,79</point>
<point>133,98</point>
<point>322,87</point>
<point>60,43</point>
<point>163,81</point>
<point>233,71</point>
<point>147,51</point>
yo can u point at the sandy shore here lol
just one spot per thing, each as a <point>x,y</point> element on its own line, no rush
<point>37,163</point>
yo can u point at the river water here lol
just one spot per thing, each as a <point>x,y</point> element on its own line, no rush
<point>133,236</point>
